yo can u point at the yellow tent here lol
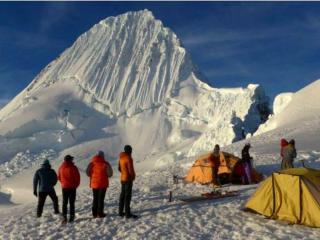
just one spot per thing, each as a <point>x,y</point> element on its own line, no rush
<point>292,195</point>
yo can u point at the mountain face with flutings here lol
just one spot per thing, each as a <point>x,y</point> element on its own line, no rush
<point>127,63</point>
<point>128,80</point>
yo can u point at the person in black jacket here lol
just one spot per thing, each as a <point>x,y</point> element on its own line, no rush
<point>43,185</point>
<point>247,165</point>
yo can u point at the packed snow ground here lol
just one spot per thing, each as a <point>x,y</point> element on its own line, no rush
<point>212,219</point>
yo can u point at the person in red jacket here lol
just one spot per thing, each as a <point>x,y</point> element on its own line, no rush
<point>127,177</point>
<point>69,178</point>
<point>99,171</point>
<point>283,144</point>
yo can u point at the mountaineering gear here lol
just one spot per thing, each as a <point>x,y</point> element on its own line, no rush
<point>289,153</point>
<point>126,168</point>
<point>246,164</point>
<point>128,149</point>
<point>283,143</point>
<point>97,170</point>
<point>45,178</point>
<point>291,195</point>
<point>132,216</point>
<point>42,198</point>
<point>69,175</point>
<point>68,195</point>
<point>98,202</point>
<point>98,173</point>
<point>210,196</point>
<point>125,198</point>
<point>201,170</point>
<point>43,185</point>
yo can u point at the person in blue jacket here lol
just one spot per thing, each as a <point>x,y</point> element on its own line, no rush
<point>44,181</point>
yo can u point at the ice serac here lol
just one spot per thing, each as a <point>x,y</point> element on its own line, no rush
<point>128,80</point>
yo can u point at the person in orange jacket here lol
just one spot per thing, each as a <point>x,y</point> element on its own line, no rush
<point>69,178</point>
<point>127,177</point>
<point>98,170</point>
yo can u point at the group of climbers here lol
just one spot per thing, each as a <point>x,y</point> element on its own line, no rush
<point>217,167</point>
<point>99,171</point>
<point>244,167</point>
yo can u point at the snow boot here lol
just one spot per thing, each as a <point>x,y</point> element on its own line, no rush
<point>133,216</point>
<point>71,219</point>
<point>102,215</point>
<point>64,221</point>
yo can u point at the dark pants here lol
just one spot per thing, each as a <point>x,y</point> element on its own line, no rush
<point>98,201</point>
<point>68,195</point>
<point>42,198</point>
<point>125,197</point>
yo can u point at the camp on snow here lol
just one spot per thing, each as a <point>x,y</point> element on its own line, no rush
<point>291,195</point>
<point>229,170</point>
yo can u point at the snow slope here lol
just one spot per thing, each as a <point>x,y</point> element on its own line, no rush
<point>294,109</point>
<point>218,219</point>
<point>127,77</point>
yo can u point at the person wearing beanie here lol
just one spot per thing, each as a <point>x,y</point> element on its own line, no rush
<point>69,178</point>
<point>99,170</point>
<point>127,177</point>
<point>44,181</point>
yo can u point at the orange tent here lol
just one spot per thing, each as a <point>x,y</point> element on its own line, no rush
<point>201,170</point>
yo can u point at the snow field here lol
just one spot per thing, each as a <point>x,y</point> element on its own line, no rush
<point>159,219</point>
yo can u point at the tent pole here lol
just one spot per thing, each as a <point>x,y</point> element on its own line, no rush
<point>300,198</point>
<point>274,197</point>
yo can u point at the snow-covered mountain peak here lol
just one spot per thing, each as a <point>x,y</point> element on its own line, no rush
<point>126,63</point>
<point>125,77</point>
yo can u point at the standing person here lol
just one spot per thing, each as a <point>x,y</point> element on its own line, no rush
<point>44,181</point>
<point>289,153</point>
<point>215,163</point>
<point>247,164</point>
<point>69,177</point>
<point>283,144</point>
<point>99,171</point>
<point>128,175</point>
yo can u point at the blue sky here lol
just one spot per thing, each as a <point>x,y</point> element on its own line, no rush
<point>275,44</point>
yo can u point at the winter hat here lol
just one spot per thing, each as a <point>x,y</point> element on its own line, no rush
<point>292,142</point>
<point>46,162</point>
<point>128,149</point>
<point>101,154</point>
<point>216,148</point>
<point>68,158</point>
<point>248,145</point>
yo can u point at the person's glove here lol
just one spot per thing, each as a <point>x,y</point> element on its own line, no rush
<point>35,193</point>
